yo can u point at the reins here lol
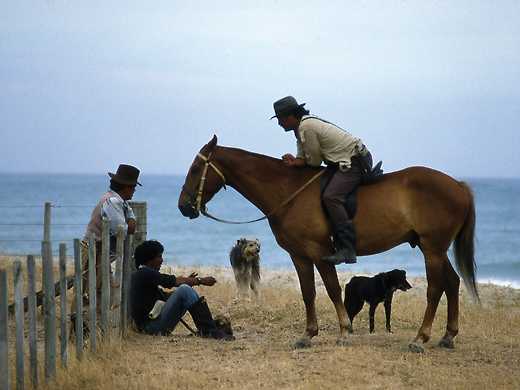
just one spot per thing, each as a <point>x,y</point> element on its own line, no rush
<point>203,210</point>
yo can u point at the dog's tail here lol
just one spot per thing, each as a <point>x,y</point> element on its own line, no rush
<point>464,247</point>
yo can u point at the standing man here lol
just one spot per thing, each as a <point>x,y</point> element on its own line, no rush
<point>114,206</point>
<point>318,140</point>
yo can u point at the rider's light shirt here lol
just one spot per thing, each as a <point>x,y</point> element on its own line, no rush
<point>319,140</point>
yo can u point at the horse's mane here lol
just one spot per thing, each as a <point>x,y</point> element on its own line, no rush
<point>275,164</point>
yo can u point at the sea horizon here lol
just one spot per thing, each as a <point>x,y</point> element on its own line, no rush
<point>205,242</point>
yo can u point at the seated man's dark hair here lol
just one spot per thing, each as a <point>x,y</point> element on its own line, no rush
<point>146,251</point>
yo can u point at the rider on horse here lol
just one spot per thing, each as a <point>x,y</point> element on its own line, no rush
<point>318,140</point>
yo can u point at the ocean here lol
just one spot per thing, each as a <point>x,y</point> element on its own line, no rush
<point>205,242</point>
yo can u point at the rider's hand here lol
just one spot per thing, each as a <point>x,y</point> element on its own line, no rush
<point>288,158</point>
<point>208,281</point>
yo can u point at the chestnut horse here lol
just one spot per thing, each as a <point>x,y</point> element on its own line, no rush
<point>416,205</point>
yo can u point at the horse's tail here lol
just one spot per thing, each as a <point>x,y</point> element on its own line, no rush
<point>464,247</point>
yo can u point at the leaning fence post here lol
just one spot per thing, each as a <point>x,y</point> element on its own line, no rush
<point>31,303</point>
<point>4,345</point>
<point>140,213</point>
<point>125,289</point>
<point>105,278</point>
<point>92,292</point>
<point>116,291</point>
<point>49,309</point>
<point>19,321</point>
<point>63,304</point>
<point>78,299</point>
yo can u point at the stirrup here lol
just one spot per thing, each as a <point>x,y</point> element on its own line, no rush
<point>338,258</point>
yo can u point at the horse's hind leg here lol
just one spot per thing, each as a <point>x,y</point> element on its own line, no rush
<point>452,293</point>
<point>435,266</point>
<point>330,279</point>
<point>305,270</point>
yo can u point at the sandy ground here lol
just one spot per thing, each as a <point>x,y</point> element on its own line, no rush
<point>487,352</point>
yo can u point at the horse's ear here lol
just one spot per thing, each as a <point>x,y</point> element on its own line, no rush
<point>213,142</point>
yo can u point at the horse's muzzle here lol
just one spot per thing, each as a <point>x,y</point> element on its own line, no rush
<point>188,210</point>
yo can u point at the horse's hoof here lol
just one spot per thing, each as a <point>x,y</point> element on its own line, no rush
<point>350,329</point>
<point>415,348</point>
<point>447,343</point>
<point>304,342</point>
<point>342,342</point>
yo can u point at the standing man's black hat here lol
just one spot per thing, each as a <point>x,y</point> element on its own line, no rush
<point>126,175</point>
<point>285,106</point>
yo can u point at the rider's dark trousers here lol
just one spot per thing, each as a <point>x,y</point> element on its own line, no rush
<point>340,185</point>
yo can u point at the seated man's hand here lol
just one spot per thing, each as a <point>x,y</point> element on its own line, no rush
<point>208,281</point>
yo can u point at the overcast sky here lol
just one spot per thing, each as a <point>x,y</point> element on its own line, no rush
<point>86,86</point>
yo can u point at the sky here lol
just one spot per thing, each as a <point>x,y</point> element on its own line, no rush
<point>85,86</point>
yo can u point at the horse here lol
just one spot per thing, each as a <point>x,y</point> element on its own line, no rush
<point>416,205</point>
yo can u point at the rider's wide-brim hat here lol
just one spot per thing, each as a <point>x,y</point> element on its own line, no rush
<point>126,175</point>
<point>285,106</point>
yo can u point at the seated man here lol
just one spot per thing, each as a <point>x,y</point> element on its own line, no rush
<point>145,291</point>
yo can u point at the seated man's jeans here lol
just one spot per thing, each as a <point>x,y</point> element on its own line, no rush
<point>173,310</point>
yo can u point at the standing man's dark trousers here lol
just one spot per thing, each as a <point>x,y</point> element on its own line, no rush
<point>340,185</point>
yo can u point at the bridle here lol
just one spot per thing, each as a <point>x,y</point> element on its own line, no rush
<point>207,164</point>
<point>202,208</point>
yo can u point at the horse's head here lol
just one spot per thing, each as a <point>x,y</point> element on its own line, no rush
<point>204,179</point>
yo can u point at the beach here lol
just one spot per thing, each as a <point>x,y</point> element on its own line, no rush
<point>486,354</point>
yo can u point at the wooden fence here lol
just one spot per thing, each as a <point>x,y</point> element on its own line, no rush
<point>111,325</point>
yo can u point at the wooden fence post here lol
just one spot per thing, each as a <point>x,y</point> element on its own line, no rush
<point>92,292</point>
<point>31,303</point>
<point>78,299</point>
<point>4,345</point>
<point>125,288</point>
<point>118,276</point>
<point>49,309</point>
<point>63,304</point>
<point>19,321</point>
<point>105,279</point>
<point>47,222</point>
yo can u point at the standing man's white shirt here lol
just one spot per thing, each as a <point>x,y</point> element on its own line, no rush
<point>319,140</point>
<point>115,209</point>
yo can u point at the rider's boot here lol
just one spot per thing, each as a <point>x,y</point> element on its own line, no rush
<point>345,244</point>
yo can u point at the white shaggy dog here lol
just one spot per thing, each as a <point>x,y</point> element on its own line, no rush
<point>245,261</point>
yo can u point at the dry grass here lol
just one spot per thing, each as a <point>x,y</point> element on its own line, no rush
<point>487,350</point>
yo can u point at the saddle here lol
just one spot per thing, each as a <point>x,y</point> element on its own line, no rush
<point>369,175</point>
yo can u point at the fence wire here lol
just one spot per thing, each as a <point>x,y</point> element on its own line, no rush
<point>12,243</point>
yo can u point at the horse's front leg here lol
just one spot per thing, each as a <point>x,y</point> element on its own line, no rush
<point>305,270</point>
<point>330,279</point>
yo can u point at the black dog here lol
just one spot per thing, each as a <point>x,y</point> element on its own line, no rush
<point>374,291</point>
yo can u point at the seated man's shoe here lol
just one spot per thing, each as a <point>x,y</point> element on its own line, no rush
<point>206,326</point>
